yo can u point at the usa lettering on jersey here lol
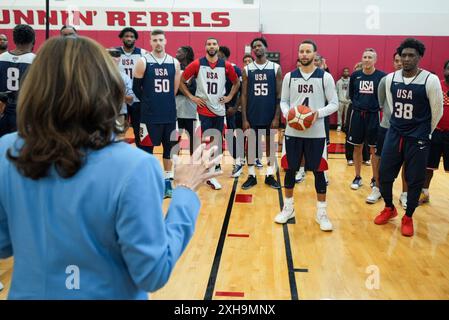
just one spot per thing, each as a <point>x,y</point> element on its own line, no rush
<point>366,87</point>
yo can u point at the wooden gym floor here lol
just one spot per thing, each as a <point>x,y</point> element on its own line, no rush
<point>238,252</point>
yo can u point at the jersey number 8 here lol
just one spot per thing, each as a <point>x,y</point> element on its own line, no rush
<point>12,82</point>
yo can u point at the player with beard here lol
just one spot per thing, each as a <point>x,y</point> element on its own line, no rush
<point>3,43</point>
<point>130,54</point>
<point>261,95</point>
<point>211,73</point>
<point>315,88</point>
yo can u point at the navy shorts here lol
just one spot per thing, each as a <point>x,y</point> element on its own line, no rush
<point>381,133</point>
<point>397,150</point>
<point>363,127</point>
<point>211,123</point>
<point>153,134</point>
<point>314,151</point>
<point>439,146</point>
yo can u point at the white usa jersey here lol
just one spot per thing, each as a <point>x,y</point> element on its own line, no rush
<point>313,92</point>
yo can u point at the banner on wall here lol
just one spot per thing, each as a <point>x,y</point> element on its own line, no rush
<point>199,15</point>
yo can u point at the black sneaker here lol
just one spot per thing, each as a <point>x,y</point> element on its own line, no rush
<point>272,182</point>
<point>218,169</point>
<point>249,183</point>
<point>356,183</point>
<point>372,183</point>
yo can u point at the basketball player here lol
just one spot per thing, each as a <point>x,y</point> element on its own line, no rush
<point>261,95</point>
<point>185,108</point>
<point>231,111</point>
<point>417,106</point>
<point>247,59</point>
<point>385,124</point>
<point>310,86</point>
<point>68,30</point>
<point>156,81</point>
<point>13,65</point>
<point>439,145</point>
<point>364,122</point>
<point>211,73</point>
<point>3,43</point>
<point>130,54</point>
<point>342,91</point>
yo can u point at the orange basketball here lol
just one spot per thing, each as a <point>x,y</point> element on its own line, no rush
<point>300,118</point>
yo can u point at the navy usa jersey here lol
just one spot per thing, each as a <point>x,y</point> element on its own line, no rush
<point>411,115</point>
<point>12,70</point>
<point>363,90</point>
<point>158,103</point>
<point>261,100</point>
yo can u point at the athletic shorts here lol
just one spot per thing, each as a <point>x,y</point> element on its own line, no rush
<point>363,128</point>
<point>439,147</point>
<point>153,134</point>
<point>314,151</point>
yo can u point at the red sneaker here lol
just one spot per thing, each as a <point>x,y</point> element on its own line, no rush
<point>385,215</point>
<point>407,226</point>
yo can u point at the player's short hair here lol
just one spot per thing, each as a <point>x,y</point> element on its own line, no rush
<point>23,34</point>
<point>210,38</point>
<point>309,41</point>
<point>371,50</point>
<point>346,68</point>
<point>225,50</point>
<point>394,55</point>
<point>413,44</point>
<point>247,55</point>
<point>157,32</point>
<point>128,29</point>
<point>446,64</point>
<point>263,40</point>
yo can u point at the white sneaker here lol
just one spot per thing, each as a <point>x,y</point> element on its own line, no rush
<point>214,184</point>
<point>323,220</point>
<point>300,176</point>
<point>403,200</point>
<point>356,183</point>
<point>374,196</point>
<point>285,215</point>
<point>350,162</point>
<point>1,286</point>
<point>338,128</point>
<point>367,163</point>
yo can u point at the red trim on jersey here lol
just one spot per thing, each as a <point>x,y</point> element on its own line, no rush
<point>230,72</point>
<point>191,70</point>
<point>444,122</point>
<point>204,111</point>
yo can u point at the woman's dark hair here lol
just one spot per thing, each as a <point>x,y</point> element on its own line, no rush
<point>413,44</point>
<point>67,105</point>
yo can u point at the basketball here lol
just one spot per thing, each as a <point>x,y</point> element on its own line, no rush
<point>300,117</point>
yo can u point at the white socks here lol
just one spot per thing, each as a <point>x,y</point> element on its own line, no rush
<point>321,205</point>
<point>168,174</point>
<point>252,171</point>
<point>288,203</point>
<point>270,170</point>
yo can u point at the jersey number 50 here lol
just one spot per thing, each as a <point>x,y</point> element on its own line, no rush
<point>161,85</point>
<point>404,111</point>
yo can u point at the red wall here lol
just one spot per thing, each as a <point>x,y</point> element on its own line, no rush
<point>339,50</point>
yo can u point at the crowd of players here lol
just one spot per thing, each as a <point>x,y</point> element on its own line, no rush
<point>168,95</point>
